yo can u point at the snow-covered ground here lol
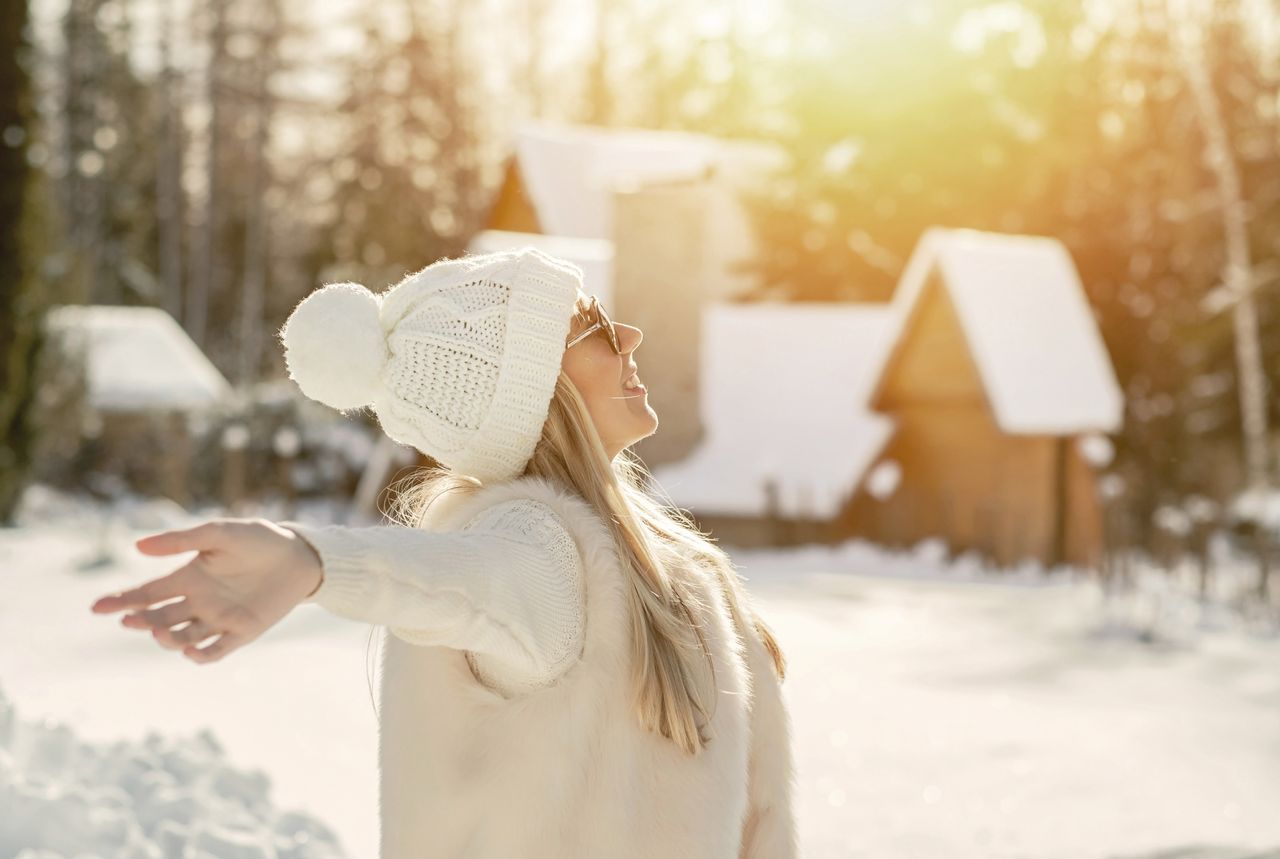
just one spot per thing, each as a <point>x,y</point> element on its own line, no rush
<point>938,712</point>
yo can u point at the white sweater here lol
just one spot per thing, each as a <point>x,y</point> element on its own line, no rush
<point>507,588</point>
<point>508,723</point>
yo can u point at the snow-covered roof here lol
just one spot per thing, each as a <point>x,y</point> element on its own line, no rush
<point>1029,327</point>
<point>571,171</point>
<point>781,395</point>
<point>593,256</point>
<point>138,359</point>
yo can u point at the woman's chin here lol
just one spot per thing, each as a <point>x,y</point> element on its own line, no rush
<point>653,420</point>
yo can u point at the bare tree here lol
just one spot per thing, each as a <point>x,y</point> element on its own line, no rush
<point>257,224</point>
<point>1186,19</point>
<point>204,279</point>
<point>170,204</point>
<point>83,195</point>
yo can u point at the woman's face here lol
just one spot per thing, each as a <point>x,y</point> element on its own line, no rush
<point>621,416</point>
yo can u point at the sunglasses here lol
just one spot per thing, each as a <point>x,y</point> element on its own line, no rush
<point>600,319</point>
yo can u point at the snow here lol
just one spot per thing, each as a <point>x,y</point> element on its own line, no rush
<point>944,712</point>
<point>884,479</point>
<point>593,256</point>
<point>570,171</point>
<point>140,800</point>
<point>1028,324</point>
<point>139,359</point>
<point>938,709</point>
<point>1096,449</point>
<point>781,388</point>
<point>1260,505</point>
<point>1173,520</point>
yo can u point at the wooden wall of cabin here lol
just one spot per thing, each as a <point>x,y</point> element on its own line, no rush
<point>1083,542</point>
<point>964,482</point>
<point>751,532</point>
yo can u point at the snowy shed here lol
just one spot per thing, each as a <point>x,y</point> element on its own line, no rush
<point>144,382</point>
<point>1002,391</point>
<point>138,359</point>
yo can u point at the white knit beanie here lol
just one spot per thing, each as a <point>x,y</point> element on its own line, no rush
<point>458,360</point>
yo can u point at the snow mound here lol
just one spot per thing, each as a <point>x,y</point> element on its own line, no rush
<point>60,797</point>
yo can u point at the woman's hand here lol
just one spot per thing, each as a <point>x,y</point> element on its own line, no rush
<point>248,575</point>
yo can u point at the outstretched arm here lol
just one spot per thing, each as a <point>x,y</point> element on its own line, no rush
<point>507,587</point>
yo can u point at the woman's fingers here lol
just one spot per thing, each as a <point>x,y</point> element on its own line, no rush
<point>226,643</point>
<point>158,590</point>
<point>164,617</point>
<point>201,538</point>
<point>191,634</point>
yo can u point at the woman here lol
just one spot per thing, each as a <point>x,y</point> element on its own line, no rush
<point>571,669</point>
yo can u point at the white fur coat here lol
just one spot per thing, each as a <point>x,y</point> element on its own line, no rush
<point>567,771</point>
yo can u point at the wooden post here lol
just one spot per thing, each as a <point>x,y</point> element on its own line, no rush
<point>235,442</point>
<point>772,511</point>
<point>286,443</point>
<point>176,457</point>
<point>1262,543</point>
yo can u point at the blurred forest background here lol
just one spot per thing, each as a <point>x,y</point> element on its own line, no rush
<point>221,158</point>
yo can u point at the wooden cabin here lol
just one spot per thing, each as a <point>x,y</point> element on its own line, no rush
<point>999,384</point>
<point>972,408</point>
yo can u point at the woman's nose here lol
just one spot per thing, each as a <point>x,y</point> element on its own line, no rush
<point>630,337</point>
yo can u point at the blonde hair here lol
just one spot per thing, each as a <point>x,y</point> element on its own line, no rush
<point>659,546</point>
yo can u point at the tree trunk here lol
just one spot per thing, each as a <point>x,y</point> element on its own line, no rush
<point>1185,20</point>
<point>19,316</point>
<point>258,225</point>
<point>204,281</point>
<point>83,193</point>
<point>170,208</point>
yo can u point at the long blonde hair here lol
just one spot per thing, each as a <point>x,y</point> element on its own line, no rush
<point>660,547</point>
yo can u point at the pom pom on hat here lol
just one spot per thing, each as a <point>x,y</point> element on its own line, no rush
<point>335,347</point>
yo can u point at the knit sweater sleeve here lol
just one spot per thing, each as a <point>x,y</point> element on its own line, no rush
<point>506,588</point>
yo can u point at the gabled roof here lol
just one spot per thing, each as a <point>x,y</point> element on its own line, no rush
<point>570,171</point>
<point>593,256</point>
<point>1028,325</point>
<point>138,358</point>
<point>781,393</point>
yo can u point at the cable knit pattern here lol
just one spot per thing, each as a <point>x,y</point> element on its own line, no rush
<point>506,588</point>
